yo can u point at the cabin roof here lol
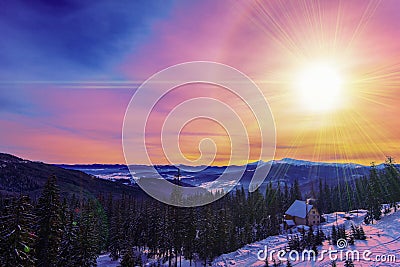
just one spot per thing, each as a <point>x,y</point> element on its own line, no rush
<point>298,209</point>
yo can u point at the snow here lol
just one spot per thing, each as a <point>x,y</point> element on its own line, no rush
<point>383,239</point>
<point>290,222</point>
<point>298,162</point>
<point>104,260</point>
<point>298,209</point>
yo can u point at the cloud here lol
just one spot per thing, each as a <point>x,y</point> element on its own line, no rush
<point>69,126</point>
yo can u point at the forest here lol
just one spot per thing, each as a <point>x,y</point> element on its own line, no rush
<point>57,231</point>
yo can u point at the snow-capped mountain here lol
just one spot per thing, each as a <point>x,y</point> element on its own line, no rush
<point>297,162</point>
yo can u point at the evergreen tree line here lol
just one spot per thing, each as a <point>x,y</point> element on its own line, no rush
<point>73,232</point>
<point>50,232</point>
<point>355,233</point>
<point>202,233</point>
<point>309,240</point>
<point>369,193</point>
<point>313,238</point>
<point>306,240</point>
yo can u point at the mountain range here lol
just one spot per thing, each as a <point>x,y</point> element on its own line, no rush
<point>23,176</point>
<point>282,171</point>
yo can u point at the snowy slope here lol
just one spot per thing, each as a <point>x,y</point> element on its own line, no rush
<point>383,239</point>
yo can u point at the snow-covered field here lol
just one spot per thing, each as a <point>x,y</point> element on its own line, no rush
<point>383,239</point>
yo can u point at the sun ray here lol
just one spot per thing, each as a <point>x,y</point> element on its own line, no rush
<point>368,13</point>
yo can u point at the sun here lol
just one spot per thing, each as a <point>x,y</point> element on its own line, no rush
<point>319,87</point>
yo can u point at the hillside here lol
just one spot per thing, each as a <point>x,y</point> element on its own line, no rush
<point>28,177</point>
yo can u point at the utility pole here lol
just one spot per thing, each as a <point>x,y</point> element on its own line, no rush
<point>178,176</point>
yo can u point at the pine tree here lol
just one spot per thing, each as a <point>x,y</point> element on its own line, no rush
<point>310,238</point>
<point>17,237</point>
<point>154,231</point>
<point>320,237</point>
<point>303,240</point>
<point>351,240</point>
<point>190,235</point>
<point>295,191</point>
<point>276,263</point>
<point>354,231</point>
<point>341,232</point>
<point>321,197</point>
<point>117,237</point>
<point>374,195</point>
<point>206,235</point>
<point>49,224</point>
<point>392,181</point>
<point>109,212</point>
<point>334,235</point>
<point>221,233</point>
<point>348,263</point>
<point>178,231</point>
<point>368,218</point>
<point>315,249</point>
<point>287,199</point>
<point>100,225</point>
<point>328,207</point>
<point>128,260</point>
<point>88,238</point>
<point>69,248</point>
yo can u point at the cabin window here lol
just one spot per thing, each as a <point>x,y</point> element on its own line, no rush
<point>313,211</point>
<point>313,221</point>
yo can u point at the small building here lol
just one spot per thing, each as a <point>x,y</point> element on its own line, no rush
<point>301,213</point>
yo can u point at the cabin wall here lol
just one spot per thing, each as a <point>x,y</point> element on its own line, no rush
<point>299,221</point>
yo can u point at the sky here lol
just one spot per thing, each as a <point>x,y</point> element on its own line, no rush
<point>330,71</point>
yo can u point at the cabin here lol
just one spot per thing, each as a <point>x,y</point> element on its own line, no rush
<point>301,213</point>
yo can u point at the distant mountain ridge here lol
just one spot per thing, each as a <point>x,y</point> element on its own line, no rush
<point>282,171</point>
<point>291,161</point>
<point>314,163</point>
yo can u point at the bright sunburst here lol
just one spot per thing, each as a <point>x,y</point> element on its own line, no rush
<point>319,87</point>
